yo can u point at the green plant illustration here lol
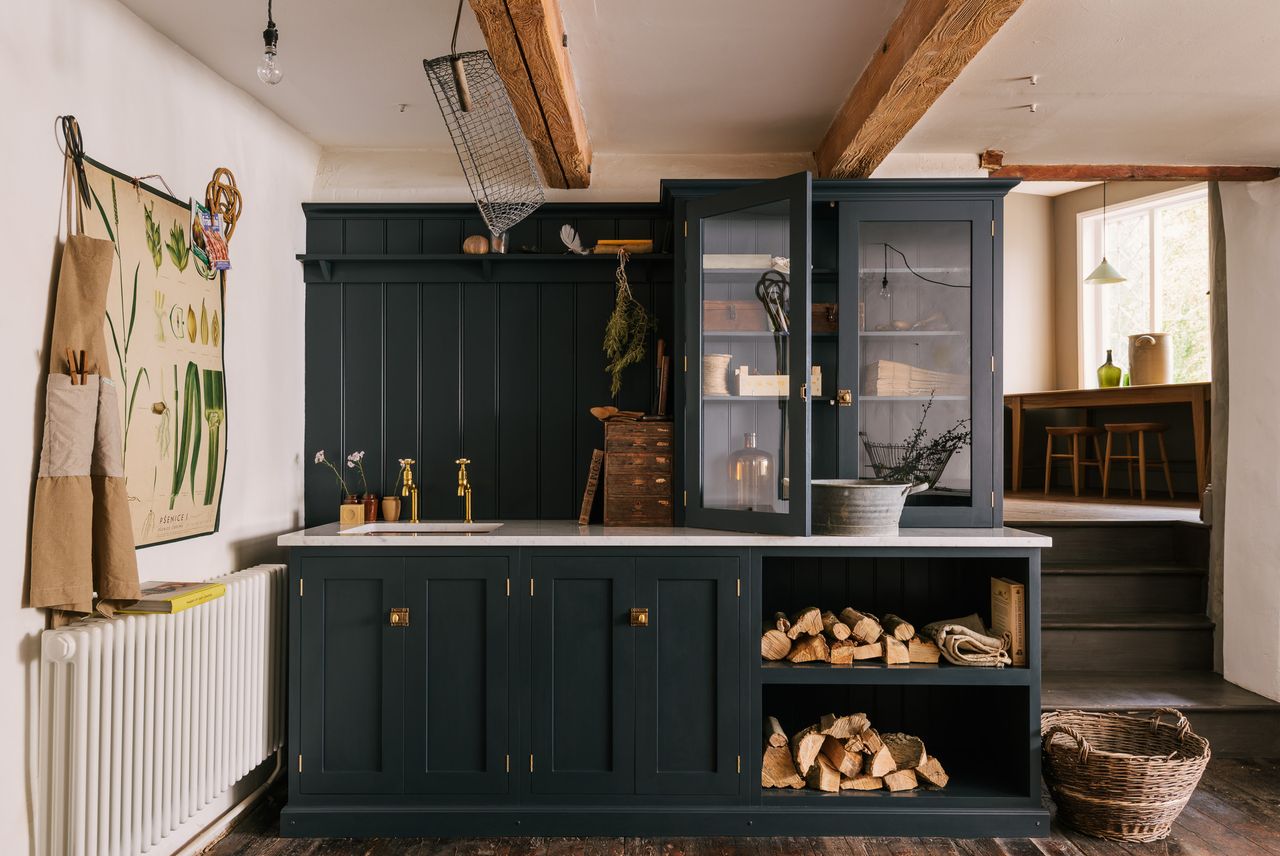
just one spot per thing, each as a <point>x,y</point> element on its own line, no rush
<point>153,236</point>
<point>186,432</point>
<point>179,249</point>
<point>214,414</point>
<point>122,327</point>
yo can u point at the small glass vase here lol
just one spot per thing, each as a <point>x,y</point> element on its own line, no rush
<point>752,475</point>
<point>1109,373</point>
<point>370,508</point>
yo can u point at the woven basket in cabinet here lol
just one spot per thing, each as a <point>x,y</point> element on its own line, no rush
<point>1126,778</point>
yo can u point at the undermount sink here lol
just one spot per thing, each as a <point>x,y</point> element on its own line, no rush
<point>435,527</point>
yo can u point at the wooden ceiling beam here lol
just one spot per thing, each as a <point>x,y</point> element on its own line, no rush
<point>926,48</point>
<point>527,41</point>
<point>993,161</point>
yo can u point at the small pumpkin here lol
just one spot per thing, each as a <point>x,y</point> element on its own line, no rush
<point>475,245</point>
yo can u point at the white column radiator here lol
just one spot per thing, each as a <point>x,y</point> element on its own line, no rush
<point>146,719</point>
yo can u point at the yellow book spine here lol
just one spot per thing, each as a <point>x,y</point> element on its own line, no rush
<point>186,601</point>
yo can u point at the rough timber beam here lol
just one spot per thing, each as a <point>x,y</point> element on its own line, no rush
<point>993,161</point>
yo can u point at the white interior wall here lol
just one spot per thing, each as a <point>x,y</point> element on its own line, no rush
<point>145,106</point>
<point>1251,551</point>
<point>1028,293</point>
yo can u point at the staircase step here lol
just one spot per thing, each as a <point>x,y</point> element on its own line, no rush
<point>1131,542</point>
<point>1106,587</point>
<point>1236,722</point>
<point>1126,641</point>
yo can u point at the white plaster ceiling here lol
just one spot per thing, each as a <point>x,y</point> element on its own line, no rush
<point>1120,81</point>
<point>656,77</point>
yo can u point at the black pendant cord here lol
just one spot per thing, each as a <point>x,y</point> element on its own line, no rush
<point>888,247</point>
<point>1104,221</point>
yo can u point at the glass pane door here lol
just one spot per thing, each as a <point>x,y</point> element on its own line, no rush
<point>749,354</point>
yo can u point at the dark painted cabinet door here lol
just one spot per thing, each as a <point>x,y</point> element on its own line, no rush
<point>456,714</point>
<point>583,667</point>
<point>351,680</point>
<point>687,676</point>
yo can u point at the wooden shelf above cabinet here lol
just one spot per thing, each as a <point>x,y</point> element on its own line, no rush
<point>489,267</point>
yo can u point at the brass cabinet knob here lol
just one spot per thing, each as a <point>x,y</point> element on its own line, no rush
<point>639,616</point>
<point>399,616</point>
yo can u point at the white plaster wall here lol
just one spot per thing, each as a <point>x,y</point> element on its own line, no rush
<point>1028,293</point>
<point>145,106</point>
<point>1251,551</point>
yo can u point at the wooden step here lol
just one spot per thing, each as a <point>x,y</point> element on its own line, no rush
<point>1236,722</point>
<point>1127,542</point>
<point>1126,641</point>
<point>1110,588</point>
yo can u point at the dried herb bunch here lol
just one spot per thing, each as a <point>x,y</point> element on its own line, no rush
<point>626,331</point>
<point>921,454</point>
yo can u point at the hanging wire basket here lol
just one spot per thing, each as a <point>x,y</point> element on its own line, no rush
<point>492,148</point>
<point>889,461</point>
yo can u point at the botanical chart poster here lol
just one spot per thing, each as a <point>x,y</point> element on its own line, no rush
<point>164,329</point>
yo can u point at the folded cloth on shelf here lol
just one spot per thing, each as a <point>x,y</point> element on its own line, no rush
<point>967,642</point>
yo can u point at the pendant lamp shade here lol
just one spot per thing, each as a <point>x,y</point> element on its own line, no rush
<point>1104,273</point>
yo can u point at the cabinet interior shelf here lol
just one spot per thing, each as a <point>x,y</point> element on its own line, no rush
<point>757,334</point>
<point>899,269</point>
<point>912,397</point>
<point>908,334</point>
<point>761,398</point>
<point>925,674</point>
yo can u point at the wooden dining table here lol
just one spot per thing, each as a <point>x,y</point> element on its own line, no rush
<point>1195,395</point>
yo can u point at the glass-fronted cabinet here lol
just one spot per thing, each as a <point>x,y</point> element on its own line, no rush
<point>839,329</point>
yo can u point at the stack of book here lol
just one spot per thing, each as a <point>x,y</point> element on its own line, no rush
<point>887,377</point>
<point>166,598</point>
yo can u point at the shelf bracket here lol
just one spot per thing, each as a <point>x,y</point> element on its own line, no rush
<point>326,269</point>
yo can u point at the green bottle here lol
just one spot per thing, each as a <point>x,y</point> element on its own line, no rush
<point>1108,373</point>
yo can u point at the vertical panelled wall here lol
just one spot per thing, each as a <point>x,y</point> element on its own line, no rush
<point>414,352</point>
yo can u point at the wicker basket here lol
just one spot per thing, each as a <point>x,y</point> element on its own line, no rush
<point>1125,778</point>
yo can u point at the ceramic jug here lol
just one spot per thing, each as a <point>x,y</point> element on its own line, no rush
<point>1150,358</point>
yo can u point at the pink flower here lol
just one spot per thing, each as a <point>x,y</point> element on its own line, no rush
<point>320,457</point>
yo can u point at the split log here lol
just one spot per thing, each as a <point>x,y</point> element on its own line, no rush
<point>805,746</point>
<point>842,727</point>
<point>855,744</point>
<point>895,653</point>
<point>848,763</point>
<point>810,649</point>
<point>901,780</point>
<point>781,622</point>
<point>774,645</point>
<point>870,740</point>
<point>807,620</point>
<point>842,651</point>
<point>881,763</point>
<point>824,777</point>
<point>834,627</point>
<point>897,627</point>
<point>864,627</point>
<point>863,783</point>
<point>870,651</point>
<point>773,733</point>
<point>777,770</point>
<point>907,750</point>
<point>922,651</point>
<point>931,771</point>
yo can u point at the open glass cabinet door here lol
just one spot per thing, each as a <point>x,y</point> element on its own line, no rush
<point>747,293</point>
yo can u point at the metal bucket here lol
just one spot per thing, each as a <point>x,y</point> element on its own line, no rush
<point>859,506</point>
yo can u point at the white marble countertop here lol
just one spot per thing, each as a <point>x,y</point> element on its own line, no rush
<point>567,533</point>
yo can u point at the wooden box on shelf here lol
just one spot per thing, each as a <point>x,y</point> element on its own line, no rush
<point>638,474</point>
<point>735,316</point>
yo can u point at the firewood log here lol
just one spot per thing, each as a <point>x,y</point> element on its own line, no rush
<point>841,651</point>
<point>907,750</point>
<point>895,653</point>
<point>774,645</point>
<point>863,783</point>
<point>823,777</point>
<point>922,651</point>
<point>805,746</point>
<point>842,727</point>
<point>870,740</point>
<point>869,651</point>
<point>777,770</point>
<point>834,627</point>
<point>855,744</point>
<point>809,649</point>
<point>781,622</point>
<point>900,780</point>
<point>807,620</point>
<point>864,627</point>
<point>773,733</point>
<point>881,763</point>
<point>848,763</point>
<point>931,771</point>
<point>898,628</point>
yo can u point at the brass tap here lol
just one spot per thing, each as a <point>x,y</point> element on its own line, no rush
<point>464,486</point>
<point>410,490</point>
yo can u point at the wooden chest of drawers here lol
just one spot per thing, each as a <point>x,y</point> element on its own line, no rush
<point>639,471</point>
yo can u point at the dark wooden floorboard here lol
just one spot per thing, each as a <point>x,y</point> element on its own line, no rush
<point>1235,812</point>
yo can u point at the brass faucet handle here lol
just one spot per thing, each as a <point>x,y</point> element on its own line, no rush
<point>463,461</point>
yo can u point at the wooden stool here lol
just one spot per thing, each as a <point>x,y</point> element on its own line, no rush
<point>1075,432</point>
<point>1142,429</point>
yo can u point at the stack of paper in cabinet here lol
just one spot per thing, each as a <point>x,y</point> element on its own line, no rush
<point>887,377</point>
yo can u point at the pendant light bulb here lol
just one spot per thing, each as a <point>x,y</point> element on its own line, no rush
<point>269,71</point>
<point>1104,273</point>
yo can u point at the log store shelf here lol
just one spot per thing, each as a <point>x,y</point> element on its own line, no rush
<point>562,680</point>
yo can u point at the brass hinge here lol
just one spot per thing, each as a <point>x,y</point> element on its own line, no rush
<point>993,499</point>
<point>530,586</point>
<point>686,228</point>
<point>299,586</point>
<point>530,762</point>
<point>508,586</point>
<point>508,763</point>
<point>739,763</point>
<point>993,228</point>
<point>993,363</point>
<point>686,362</point>
<point>686,499</point>
<point>739,586</point>
<point>299,762</point>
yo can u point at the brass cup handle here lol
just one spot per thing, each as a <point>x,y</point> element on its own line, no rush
<point>399,616</point>
<point>639,616</point>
